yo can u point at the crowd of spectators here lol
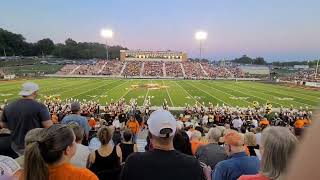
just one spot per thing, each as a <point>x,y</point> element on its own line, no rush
<point>133,68</point>
<point>302,76</point>
<point>173,69</point>
<point>112,68</point>
<point>153,68</point>
<point>193,69</point>
<point>213,142</point>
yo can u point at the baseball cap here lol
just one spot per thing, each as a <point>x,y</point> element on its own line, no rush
<point>161,123</point>
<point>233,138</point>
<point>75,106</point>
<point>28,88</point>
<point>8,166</point>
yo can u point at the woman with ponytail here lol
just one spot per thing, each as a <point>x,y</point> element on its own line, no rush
<point>48,158</point>
<point>105,162</point>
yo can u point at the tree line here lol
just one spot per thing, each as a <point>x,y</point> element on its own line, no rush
<point>12,44</point>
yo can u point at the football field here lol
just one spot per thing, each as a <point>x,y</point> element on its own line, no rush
<point>177,93</point>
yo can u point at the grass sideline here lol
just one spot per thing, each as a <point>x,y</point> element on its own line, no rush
<point>178,93</point>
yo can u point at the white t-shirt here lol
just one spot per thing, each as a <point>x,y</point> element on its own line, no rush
<point>116,123</point>
<point>237,123</point>
<point>81,156</point>
<point>255,123</point>
<point>258,138</point>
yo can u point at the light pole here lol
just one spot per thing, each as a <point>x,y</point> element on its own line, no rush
<point>107,34</point>
<point>315,74</point>
<point>200,36</point>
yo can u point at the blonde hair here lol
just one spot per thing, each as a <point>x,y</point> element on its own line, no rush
<point>250,139</point>
<point>278,145</point>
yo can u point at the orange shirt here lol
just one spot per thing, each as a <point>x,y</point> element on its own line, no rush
<point>264,122</point>
<point>67,171</point>
<point>133,126</point>
<point>54,118</point>
<point>92,123</point>
<point>299,123</point>
<point>195,145</point>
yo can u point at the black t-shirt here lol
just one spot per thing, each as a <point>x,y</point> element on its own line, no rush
<point>22,116</point>
<point>161,165</point>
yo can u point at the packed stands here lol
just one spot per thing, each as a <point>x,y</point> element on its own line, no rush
<point>170,69</point>
<point>173,69</point>
<point>153,68</point>
<point>193,69</point>
<point>111,68</point>
<point>302,75</point>
<point>133,68</point>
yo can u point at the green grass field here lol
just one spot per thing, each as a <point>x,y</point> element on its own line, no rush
<point>176,92</point>
<point>39,68</point>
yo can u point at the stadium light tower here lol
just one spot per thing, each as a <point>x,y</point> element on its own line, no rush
<point>315,74</point>
<point>107,34</point>
<point>201,36</point>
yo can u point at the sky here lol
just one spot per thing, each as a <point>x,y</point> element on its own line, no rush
<point>278,30</point>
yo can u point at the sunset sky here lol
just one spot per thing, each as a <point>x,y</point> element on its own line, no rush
<point>274,29</point>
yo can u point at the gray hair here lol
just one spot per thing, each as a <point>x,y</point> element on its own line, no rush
<point>278,145</point>
<point>250,139</point>
<point>33,135</point>
<point>214,134</point>
<point>195,135</point>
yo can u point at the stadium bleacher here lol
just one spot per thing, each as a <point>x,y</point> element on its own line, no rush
<point>169,69</point>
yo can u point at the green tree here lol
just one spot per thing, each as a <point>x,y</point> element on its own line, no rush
<point>45,46</point>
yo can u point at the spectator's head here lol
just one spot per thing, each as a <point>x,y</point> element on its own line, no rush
<point>104,135</point>
<point>200,129</point>
<point>277,146</point>
<point>56,144</point>
<point>195,136</point>
<point>181,142</point>
<point>77,130</point>
<point>75,107</point>
<point>233,142</point>
<point>33,135</point>
<point>250,139</point>
<point>127,135</point>
<point>243,129</point>
<point>29,90</point>
<point>162,127</point>
<point>214,135</point>
<point>258,130</point>
<point>132,118</point>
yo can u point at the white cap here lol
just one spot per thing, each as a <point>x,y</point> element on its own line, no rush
<point>162,123</point>
<point>28,88</point>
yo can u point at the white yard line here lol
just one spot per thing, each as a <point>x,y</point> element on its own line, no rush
<point>92,89</point>
<point>187,93</point>
<point>112,88</point>
<point>281,94</point>
<point>108,89</point>
<point>126,92</point>
<point>227,93</point>
<point>252,95</point>
<point>60,92</point>
<point>211,95</point>
<point>168,95</point>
